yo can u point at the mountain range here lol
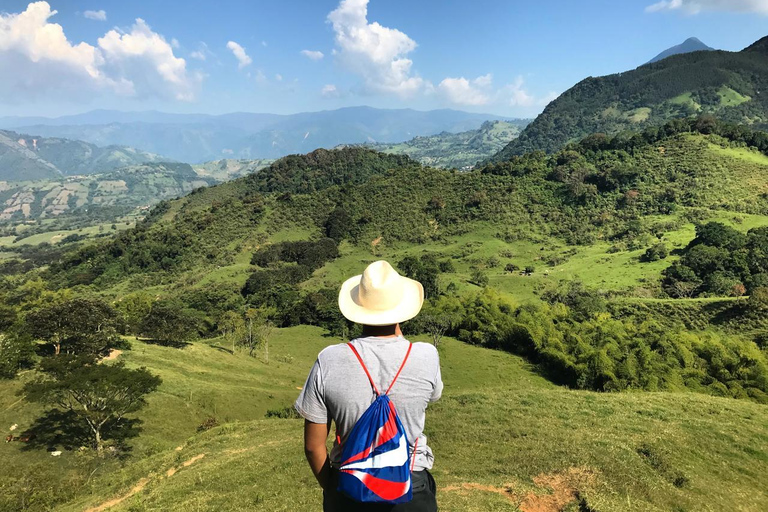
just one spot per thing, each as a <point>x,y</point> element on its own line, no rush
<point>457,150</point>
<point>200,137</point>
<point>30,157</point>
<point>727,85</point>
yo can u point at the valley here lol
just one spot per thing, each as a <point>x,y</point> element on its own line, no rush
<point>594,280</point>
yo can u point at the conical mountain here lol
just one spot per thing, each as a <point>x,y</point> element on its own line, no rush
<point>727,85</point>
<point>690,45</point>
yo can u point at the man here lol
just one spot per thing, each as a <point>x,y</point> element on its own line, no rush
<point>339,391</point>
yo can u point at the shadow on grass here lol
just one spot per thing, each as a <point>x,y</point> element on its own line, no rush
<point>58,429</point>
<point>165,343</point>
<point>222,349</point>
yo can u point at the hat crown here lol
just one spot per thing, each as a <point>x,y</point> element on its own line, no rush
<point>381,287</point>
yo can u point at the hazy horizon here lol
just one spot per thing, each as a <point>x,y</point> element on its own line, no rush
<point>65,58</point>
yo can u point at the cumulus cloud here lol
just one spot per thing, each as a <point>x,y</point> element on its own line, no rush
<point>376,53</point>
<point>145,59</point>
<point>312,54</point>
<point>138,63</point>
<point>465,92</point>
<point>697,6</point>
<point>243,59</point>
<point>96,15</point>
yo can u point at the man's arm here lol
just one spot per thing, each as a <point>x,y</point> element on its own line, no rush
<point>315,436</point>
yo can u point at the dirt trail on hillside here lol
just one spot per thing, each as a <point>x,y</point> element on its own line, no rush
<point>141,484</point>
<point>564,487</point>
<point>113,354</point>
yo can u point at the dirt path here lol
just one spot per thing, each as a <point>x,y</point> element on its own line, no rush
<point>141,484</point>
<point>113,354</point>
<point>564,489</point>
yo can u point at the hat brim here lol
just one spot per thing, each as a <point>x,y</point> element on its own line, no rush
<point>409,306</point>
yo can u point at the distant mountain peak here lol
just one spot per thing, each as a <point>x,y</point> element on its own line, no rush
<point>692,44</point>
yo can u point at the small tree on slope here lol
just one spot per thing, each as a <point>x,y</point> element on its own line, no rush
<point>99,394</point>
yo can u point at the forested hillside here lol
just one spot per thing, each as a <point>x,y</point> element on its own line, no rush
<point>725,84</point>
<point>30,157</point>
<point>628,263</point>
<point>584,213</point>
<point>457,150</point>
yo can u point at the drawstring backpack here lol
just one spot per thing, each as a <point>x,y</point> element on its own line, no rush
<point>376,454</point>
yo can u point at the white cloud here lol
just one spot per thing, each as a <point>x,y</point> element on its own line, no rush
<point>279,77</point>
<point>697,6</point>
<point>45,63</point>
<point>465,92</point>
<point>145,59</point>
<point>202,52</point>
<point>516,95</point>
<point>330,91</point>
<point>376,53</point>
<point>312,54</point>
<point>96,15</point>
<point>243,59</point>
<point>175,43</point>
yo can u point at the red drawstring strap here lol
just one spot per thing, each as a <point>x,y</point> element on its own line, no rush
<point>414,453</point>
<point>370,379</point>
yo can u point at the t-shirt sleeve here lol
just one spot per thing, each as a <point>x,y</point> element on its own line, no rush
<point>437,390</point>
<point>310,404</point>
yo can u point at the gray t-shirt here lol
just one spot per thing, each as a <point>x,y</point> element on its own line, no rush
<point>337,388</point>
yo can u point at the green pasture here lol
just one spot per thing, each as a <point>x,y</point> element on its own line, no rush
<point>504,439</point>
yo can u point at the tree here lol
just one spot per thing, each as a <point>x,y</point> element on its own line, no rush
<point>167,322</point>
<point>259,328</point>
<point>250,340</point>
<point>436,326</point>
<point>264,332</point>
<point>479,278</point>
<point>655,253</point>
<point>77,326</point>
<point>684,289</point>
<point>16,352</point>
<point>135,307</point>
<point>100,395</point>
<point>231,326</point>
<point>758,300</point>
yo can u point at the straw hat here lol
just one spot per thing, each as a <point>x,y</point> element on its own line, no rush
<point>380,296</point>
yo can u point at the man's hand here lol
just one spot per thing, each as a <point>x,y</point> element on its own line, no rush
<point>315,436</point>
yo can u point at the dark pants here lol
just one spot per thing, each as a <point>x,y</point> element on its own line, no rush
<point>424,500</point>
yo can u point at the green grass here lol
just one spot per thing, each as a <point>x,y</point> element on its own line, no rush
<point>685,99</point>
<point>731,98</point>
<point>499,433</point>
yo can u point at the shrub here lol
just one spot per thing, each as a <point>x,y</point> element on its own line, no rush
<point>479,278</point>
<point>655,253</point>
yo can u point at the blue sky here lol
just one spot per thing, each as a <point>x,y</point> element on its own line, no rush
<point>503,57</point>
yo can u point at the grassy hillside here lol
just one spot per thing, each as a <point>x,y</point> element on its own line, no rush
<point>53,209</point>
<point>31,157</point>
<point>725,84</point>
<point>503,437</point>
<point>502,250</point>
<point>457,150</point>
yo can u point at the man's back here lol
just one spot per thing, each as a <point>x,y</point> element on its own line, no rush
<point>337,388</point>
